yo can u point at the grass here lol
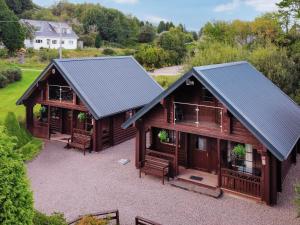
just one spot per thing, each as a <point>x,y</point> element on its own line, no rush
<point>10,94</point>
<point>165,81</point>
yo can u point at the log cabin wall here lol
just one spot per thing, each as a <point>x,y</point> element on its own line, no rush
<point>119,134</point>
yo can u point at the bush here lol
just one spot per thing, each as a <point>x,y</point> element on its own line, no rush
<point>13,74</point>
<point>54,219</point>
<point>90,220</point>
<point>30,150</point>
<point>47,54</point>
<point>16,200</point>
<point>15,130</point>
<point>3,53</point>
<point>3,80</point>
<point>108,51</point>
<point>297,198</point>
<point>166,81</point>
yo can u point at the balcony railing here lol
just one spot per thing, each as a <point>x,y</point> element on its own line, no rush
<point>241,182</point>
<point>197,115</point>
<point>60,93</point>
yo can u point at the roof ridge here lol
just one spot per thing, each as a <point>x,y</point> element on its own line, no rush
<point>219,65</point>
<point>91,58</point>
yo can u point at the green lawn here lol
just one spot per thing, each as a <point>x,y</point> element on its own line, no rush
<point>10,94</point>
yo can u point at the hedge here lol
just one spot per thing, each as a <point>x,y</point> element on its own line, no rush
<point>43,219</point>
<point>9,76</point>
<point>30,150</point>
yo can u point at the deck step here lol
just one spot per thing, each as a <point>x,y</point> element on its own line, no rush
<point>212,192</point>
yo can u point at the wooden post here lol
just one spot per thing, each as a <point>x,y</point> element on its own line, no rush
<point>139,143</point>
<point>176,153</point>
<point>219,163</point>
<point>265,183</point>
<point>49,121</point>
<point>29,117</point>
<point>94,134</point>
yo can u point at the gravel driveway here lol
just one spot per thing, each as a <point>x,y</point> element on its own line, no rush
<point>66,181</point>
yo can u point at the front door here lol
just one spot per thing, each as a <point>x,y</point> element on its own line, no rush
<point>199,153</point>
<point>66,121</point>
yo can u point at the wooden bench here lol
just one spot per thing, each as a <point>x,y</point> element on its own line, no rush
<point>80,140</point>
<point>155,166</point>
<point>142,221</point>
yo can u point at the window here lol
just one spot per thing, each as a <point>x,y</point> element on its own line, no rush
<point>171,137</point>
<point>207,96</point>
<point>48,41</point>
<point>71,42</point>
<point>62,42</point>
<point>64,30</point>
<point>54,42</point>
<point>38,41</point>
<point>201,144</point>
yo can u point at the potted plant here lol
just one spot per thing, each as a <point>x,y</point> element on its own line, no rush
<point>163,136</point>
<point>239,153</point>
<point>41,113</point>
<point>81,116</point>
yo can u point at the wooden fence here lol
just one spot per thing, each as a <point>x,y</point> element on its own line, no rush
<point>241,182</point>
<point>142,221</point>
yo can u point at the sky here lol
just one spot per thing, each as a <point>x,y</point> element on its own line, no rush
<point>192,13</point>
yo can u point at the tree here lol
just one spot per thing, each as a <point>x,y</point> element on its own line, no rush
<point>16,200</point>
<point>147,34</point>
<point>12,33</point>
<point>174,42</point>
<point>98,41</point>
<point>161,27</point>
<point>19,6</point>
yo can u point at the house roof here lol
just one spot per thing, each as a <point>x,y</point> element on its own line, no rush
<point>107,85</point>
<point>268,113</point>
<point>49,28</point>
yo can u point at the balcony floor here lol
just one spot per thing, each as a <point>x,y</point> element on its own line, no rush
<point>207,124</point>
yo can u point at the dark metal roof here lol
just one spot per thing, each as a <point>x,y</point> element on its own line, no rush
<point>271,116</point>
<point>107,85</point>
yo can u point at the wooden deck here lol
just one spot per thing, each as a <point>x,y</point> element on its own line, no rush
<point>208,179</point>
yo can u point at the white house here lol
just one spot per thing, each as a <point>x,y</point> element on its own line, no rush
<point>47,34</point>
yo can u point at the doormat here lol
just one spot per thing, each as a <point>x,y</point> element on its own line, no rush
<point>196,178</point>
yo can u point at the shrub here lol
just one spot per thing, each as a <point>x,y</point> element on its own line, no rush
<point>166,81</point>
<point>3,53</point>
<point>47,54</point>
<point>54,219</point>
<point>90,220</point>
<point>3,80</point>
<point>30,150</point>
<point>14,129</point>
<point>13,74</point>
<point>16,200</point>
<point>108,51</point>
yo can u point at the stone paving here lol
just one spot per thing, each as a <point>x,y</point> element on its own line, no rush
<point>64,180</point>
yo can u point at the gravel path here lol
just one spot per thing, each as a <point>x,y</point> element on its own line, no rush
<point>168,71</point>
<point>66,181</point>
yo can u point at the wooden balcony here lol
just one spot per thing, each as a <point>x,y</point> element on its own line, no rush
<point>241,182</point>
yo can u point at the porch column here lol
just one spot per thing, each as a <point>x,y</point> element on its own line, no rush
<point>49,121</point>
<point>140,143</point>
<point>29,117</point>
<point>176,153</point>
<point>97,135</point>
<point>265,178</point>
<point>219,163</point>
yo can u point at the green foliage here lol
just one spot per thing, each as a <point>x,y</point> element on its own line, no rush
<point>152,57</point>
<point>98,41</point>
<point>81,116</point>
<point>161,27</point>
<point>16,200</point>
<point>166,81</point>
<point>15,130</point>
<point>147,34</point>
<point>3,53</point>
<point>297,198</point>
<point>30,150</point>
<point>3,80</point>
<point>47,54</point>
<point>19,6</point>
<point>239,151</point>
<point>163,135</point>
<point>108,51</point>
<point>12,34</point>
<point>174,42</point>
<point>90,220</point>
<point>43,219</point>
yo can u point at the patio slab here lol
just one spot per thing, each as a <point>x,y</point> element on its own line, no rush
<point>64,180</point>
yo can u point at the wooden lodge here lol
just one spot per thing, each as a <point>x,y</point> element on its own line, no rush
<point>87,100</point>
<point>222,126</point>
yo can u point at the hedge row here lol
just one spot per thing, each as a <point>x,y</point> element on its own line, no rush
<point>9,76</point>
